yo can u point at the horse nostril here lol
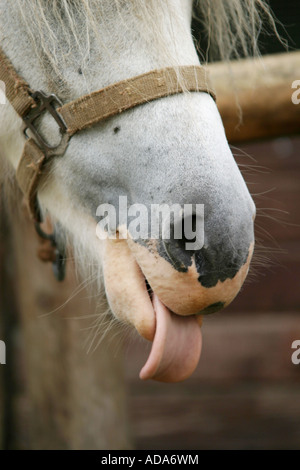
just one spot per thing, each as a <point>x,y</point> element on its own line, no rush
<point>175,247</point>
<point>217,261</point>
<point>179,258</point>
<point>183,238</point>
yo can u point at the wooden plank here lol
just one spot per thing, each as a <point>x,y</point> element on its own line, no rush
<point>243,395</point>
<point>273,176</point>
<point>272,172</point>
<point>270,155</point>
<point>219,415</point>
<point>262,89</point>
<point>8,332</point>
<point>274,287</point>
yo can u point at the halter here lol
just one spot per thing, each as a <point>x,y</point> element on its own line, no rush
<point>82,113</point>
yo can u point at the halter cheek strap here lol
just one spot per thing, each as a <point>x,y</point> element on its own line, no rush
<point>84,112</point>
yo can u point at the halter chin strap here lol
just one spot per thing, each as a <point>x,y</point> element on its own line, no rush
<point>84,112</point>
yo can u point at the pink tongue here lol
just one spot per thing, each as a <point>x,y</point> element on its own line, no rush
<point>176,346</point>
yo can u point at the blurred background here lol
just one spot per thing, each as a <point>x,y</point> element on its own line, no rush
<point>245,392</point>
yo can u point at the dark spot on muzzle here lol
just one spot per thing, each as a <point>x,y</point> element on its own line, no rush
<point>218,265</point>
<point>213,308</point>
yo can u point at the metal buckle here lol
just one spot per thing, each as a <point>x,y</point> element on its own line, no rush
<point>59,265</point>
<point>46,103</point>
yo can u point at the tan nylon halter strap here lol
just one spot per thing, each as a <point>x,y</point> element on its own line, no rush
<point>16,89</point>
<point>114,99</point>
<point>87,111</point>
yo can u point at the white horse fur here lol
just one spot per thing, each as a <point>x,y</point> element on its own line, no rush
<point>170,150</point>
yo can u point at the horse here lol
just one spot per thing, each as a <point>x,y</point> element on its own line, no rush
<point>169,150</point>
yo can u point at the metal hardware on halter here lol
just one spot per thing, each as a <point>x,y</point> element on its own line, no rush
<point>59,264</point>
<point>46,103</point>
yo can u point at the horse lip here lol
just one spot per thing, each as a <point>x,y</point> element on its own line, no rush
<point>151,292</point>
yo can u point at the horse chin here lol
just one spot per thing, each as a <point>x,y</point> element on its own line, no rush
<point>167,313</point>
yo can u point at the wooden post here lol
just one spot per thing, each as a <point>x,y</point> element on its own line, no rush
<point>262,90</point>
<point>66,398</point>
<point>8,332</point>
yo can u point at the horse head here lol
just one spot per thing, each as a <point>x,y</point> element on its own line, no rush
<point>172,151</point>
